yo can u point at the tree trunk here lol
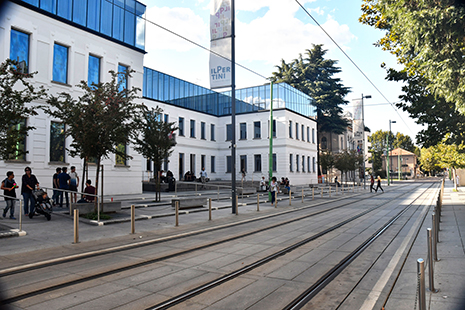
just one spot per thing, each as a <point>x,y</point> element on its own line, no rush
<point>96,187</point>
<point>83,180</point>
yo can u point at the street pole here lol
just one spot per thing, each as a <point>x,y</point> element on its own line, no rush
<point>387,155</point>
<point>363,141</point>
<point>270,159</point>
<point>233,112</point>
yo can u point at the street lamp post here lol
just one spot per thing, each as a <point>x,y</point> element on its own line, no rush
<point>388,149</point>
<point>363,140</point>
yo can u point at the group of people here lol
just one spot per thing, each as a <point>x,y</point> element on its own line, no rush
<point>63,182</point>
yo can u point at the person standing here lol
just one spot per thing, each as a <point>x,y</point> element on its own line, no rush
<point>372,184</point>
<point>203,177</point>
<point>379,185</point>
<point>56,193</point>
<point>9,186</point>
<point>73,183</point>
<point>63,181</point>
<point>28,183</point>
<point>274,188</point>
<point>243,175</point>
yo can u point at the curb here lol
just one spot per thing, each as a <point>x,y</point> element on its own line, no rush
<point>12,233</point>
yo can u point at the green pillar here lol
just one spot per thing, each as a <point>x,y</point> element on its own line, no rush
<point>387,160</point>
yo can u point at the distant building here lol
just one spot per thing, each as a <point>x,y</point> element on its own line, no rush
<point>401,159</point>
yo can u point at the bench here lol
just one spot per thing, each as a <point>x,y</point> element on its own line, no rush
<point>246,190</point>
<point>187,203</point>
<point>284,190</point>
<point>89,207</point>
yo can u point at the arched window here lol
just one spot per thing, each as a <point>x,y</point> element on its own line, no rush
<point>324,143</point>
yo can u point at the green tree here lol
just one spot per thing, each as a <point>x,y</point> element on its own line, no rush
<point>428,38</point>
<point>156,141</point>
<point>347,161</point>
<point>429,160</point>
<point>100,120</point>
<point>451,156</point>
<point>15,92</point>
<point>326,161</point>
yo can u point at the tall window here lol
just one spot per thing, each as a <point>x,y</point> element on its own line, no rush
<point>290,163</point>
<point>121,160</point>
<point>314,165</point>
<point>165,164</point>
<point>202,130</point>
<point>60,63</point>
<point>243,131</point>
<point>275,163</point>
<point>212,132</point>
<point>57,142</point>
<point>228,132</point>
<point>181,166</point>
<point>258,163</point>
<point>212,164</point>
<point>302,131</point>
<point>257,131</point>
<point>192,128</point>
<point>303,163</point>
<point>290,129</point>
<point>19,49</point>
<point>228,164</point>
<point>193,163</point>
<point>308,134</point>
<point>308,164</point>
<point>122,77</point>
<point>297,162</point>
<point>313,135</point>
<point>20,149</point>
<point>167,118</point>
<point>297,131</point>
<point>243,162</point>
<point>181,126</point>
<point>93,74</point>
<point>202,161</point>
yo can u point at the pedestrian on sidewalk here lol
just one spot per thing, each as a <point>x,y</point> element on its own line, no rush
<point>379,185</point>
<point>274,188</point>
<point>56,193</point>
<point>63,181</point>
<point>73,183</point>
<point>203,177</point>
<point>9,189</point>
<point>28,184</point>
<point>372,183</point>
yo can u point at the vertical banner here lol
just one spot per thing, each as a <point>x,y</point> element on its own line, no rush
<point>220,43</point>
<point>358,125</point>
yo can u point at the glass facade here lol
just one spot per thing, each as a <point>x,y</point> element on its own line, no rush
<point>162,87</point>
<point>60,63</point>
<point>122,77</point>
<point>122,20</point>
<point>19,49</point>
<point>57,142</point>
<point>93,74</point>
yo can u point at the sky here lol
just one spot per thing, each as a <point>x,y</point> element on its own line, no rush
<point>270,30</point>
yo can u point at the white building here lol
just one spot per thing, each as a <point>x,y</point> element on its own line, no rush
<point>70,41</point>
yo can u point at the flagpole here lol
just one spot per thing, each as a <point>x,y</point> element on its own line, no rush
<point>233,109</point>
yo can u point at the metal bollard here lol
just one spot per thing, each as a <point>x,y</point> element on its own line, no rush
<point>133,219</point>
<point>196,189</point>
<point>321,192</point>
<point>258,202</point>
<point>218,193</point>
<point>209,209</point>
<point>76,226</point>
<point>177,213</point>
<point>421,284</point>
<point>336,189</point>
<point>20,215</point>
<point>290,197</point>
<point>435,237</point>
<point>237,205</point>
<point>302,194</point>
<point>313,193</point>
<point>330,192</point>
<point>430,261</point>
<point>276,199</point>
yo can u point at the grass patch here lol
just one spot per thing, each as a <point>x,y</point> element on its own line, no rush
<point>94,216</point>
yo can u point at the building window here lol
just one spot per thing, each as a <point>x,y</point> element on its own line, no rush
<point>313,135</point>
<point>290,163</point>
<point>257,163</point>
<point>297,162</point>
<point>202,161</point>
<point>302,131</point>
<point>212,132</point>
<point>121,160</point>
<point>290,129</point>
<point>243,127</point>
<point>297,131</point>
<point>19,49</point>
<point>93,74</point>
<point>181,126</point>
<point>192,164</point>
<point>275,163</point>
<point>212,164</point>
<point>57,142</point>
<point>202,130</point>
<point>308,134</point>
<point>303,163</point>
<point>308,164</point>
<point>324,143</point>
<point>165,164</point>
<point>257,131</point>
<point>243,159</point>
<point>228,132</point>
<point>181,166</point>
<point>192,128</point>
<point>60,63</point>
<point>20,149</point>
<point>167,118</point>
<point>228,164</point>
<point>314,164</point>
<point>122,77</point>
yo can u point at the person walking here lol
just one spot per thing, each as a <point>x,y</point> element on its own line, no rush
<point>56,193</point>
<point>63,181</point>
<point>9,186</point>
<point>372,184</point>
<point>28,184</point>
<point>203,177</point>
<point>274,188</point>
<point>73,183</point>
<point>379,185</point>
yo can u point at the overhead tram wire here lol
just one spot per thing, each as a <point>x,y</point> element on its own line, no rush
<point>350,59</point>
<point>209,50</point>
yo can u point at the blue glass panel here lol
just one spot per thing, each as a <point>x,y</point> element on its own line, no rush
<point>144,82</point>
<point>19,48</point>
<point>122,80</point>
<point>80,12</point>
<point>156,93</point>
<point>49,6</point>
<point>161,95</point>
<point>32,2</point>
<point>60,63</point>
<point>93,70</point>
<point>166,89</point>
<point>148,85</point>
<point>118,23</point>
<point>172,87</point>
<point>93,14</point>
<point>64,9</point>
<point>129,28</point>
<point>130,5</point>
<point>140,33</point>
<point>106,17</point>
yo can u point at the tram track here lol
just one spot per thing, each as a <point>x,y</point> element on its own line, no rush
<point>51,288</point>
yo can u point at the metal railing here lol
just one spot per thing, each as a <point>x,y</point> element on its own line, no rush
<point>20,219</point>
